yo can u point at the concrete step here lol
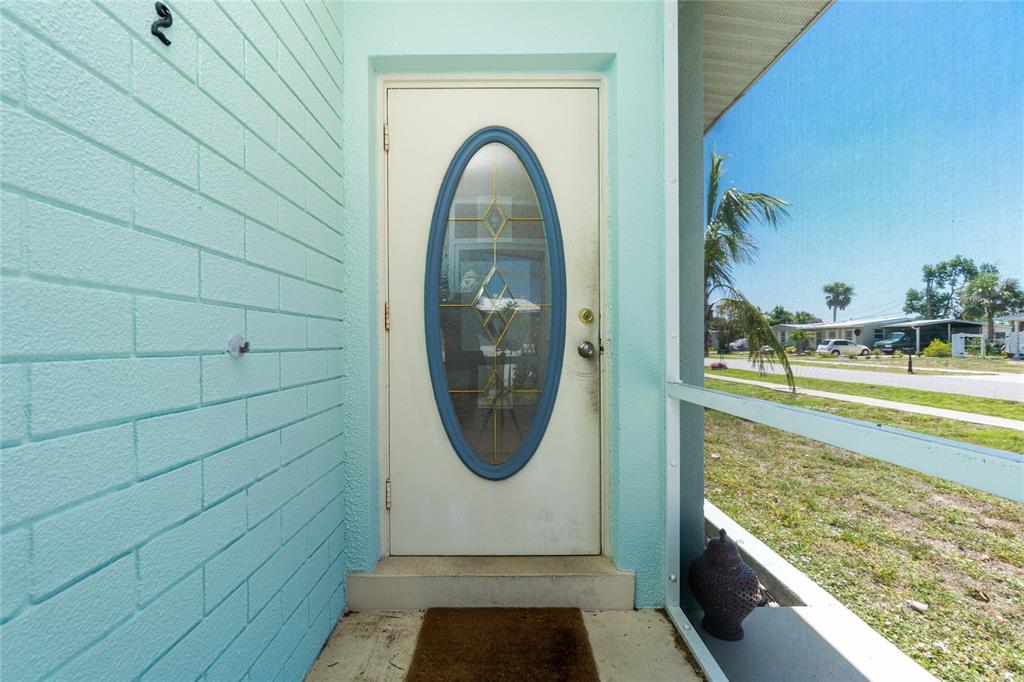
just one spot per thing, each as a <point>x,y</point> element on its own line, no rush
<point>406,583</point>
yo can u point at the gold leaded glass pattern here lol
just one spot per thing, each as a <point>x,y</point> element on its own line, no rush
<point>495,300</point>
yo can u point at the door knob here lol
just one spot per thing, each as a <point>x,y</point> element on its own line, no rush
<point>585,349</point>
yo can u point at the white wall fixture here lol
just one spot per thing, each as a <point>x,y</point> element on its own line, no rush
<point>237,345</point>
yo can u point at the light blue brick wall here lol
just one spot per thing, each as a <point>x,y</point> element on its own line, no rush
<point>169,512</point>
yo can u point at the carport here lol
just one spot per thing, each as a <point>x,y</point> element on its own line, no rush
<point>925,331</point>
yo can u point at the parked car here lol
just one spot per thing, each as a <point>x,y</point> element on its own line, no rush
<point>842,347</point>
<point>738,345</point>
<point>897,341</point>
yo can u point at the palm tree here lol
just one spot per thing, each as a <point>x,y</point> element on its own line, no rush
<point>801,337</point>
<point>804,317</point>
<point>838,296</point>
<point>986,296</point>
<point>727,241</point>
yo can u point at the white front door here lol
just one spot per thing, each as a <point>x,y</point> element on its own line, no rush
<point>494,395</point>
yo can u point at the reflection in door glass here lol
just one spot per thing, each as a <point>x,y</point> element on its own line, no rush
<point>495,299</point>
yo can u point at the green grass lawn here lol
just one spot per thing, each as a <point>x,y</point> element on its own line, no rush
<point>988,436</point>
<point>864,365</point>
<point>991,406</point>
<point>978,364</point>
<point>876,535</point>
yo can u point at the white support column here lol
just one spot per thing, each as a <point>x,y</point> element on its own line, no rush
<point>684,315</point>
<point>671,180</point>
<point>689,473</point>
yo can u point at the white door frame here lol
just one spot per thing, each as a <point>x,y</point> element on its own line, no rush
<point>441,81</point>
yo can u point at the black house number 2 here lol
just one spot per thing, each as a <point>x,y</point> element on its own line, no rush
<point>163,22</point>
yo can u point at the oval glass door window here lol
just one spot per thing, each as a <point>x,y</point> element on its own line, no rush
<point>495,303</point>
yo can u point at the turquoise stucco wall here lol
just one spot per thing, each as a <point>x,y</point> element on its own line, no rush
<point>624,42</point>
<point>168,511</point>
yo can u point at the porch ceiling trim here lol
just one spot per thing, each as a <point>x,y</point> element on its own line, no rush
<point>743,39</point>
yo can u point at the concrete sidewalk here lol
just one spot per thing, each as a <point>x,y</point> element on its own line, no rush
<point>1000,386</point>
<point>970,417</point>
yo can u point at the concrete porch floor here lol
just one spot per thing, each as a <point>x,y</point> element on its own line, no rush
<point>377,646</point>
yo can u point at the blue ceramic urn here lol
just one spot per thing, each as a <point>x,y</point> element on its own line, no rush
<point>725,587</point>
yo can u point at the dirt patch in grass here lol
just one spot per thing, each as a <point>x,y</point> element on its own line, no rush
<point>876,536</point>
<point>944,500</point>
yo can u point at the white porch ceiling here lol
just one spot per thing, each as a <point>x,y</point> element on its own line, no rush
<point>743,39</point>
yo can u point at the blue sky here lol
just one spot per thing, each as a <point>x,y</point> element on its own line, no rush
<point>896,132</point>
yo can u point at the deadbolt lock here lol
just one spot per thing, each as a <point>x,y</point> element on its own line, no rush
<point>586,315</point>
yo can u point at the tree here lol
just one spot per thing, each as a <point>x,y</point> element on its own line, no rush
<point>986,296</point>
<point>943,285</point>
<point>804,317</point>
<point>724,326</point>
<point>801,337</point>
<point>727,241</point>
<point>837,296</point>
<point>779,315</point>
<point>954,275</point>
<point>928,302</point>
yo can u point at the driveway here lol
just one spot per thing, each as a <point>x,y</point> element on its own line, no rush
<point>1002,386</point>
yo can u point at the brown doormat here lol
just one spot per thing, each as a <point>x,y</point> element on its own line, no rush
<point>471,645</point>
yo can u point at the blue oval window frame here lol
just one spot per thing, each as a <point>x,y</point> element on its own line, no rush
<point>556,258</point>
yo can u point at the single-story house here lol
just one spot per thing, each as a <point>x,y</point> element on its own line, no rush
<point>1013,322</point>
<point>1012,327</point>
<point>926,331</point>
<point>865,331</point>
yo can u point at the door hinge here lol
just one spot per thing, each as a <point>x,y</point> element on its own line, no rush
<point>387,494</point>
<point>387,316</point>
<point>387,138</point>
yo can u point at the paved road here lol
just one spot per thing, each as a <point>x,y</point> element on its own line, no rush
<point>1003,386</point>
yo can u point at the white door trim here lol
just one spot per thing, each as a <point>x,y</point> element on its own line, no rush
<point>440,81</point>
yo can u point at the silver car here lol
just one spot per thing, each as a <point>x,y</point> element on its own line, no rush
<point>738,345</point>
<point>842,347</point>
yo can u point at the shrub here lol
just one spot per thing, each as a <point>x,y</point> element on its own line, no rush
<point>790,350</point>
<point>938,349</point>
<point>853,354</point>
<point>718,364</point>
